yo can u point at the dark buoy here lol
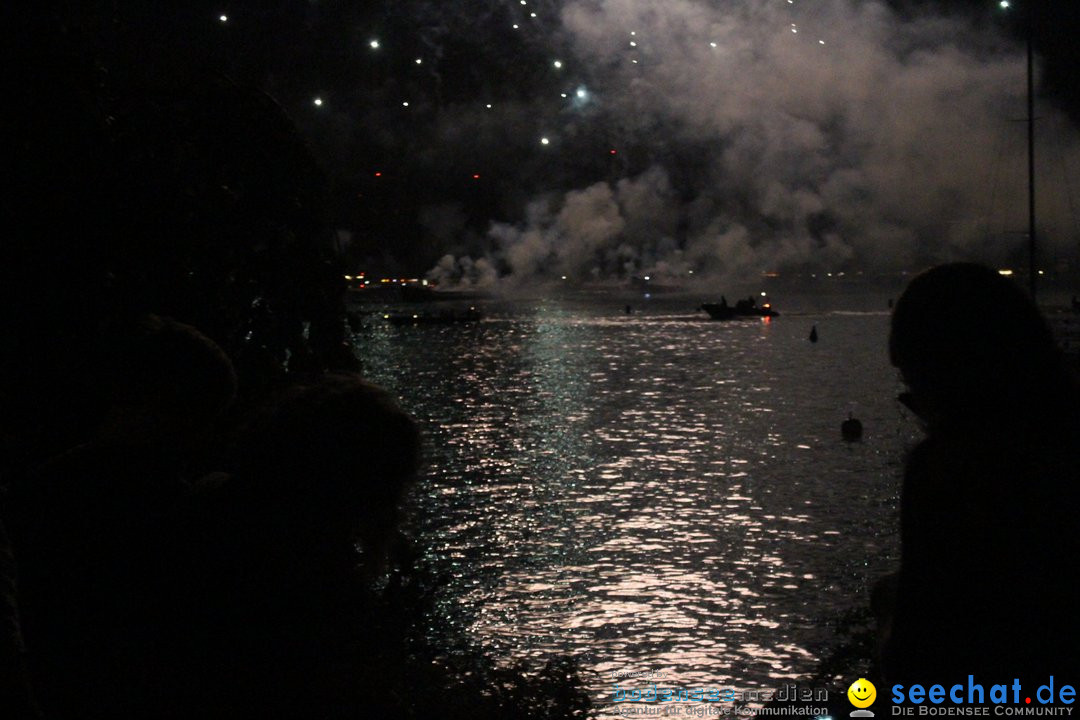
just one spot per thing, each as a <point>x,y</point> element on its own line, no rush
<point>851,428</point>
<point>813,334</point>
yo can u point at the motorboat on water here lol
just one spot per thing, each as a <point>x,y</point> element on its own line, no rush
<point>747,308</point>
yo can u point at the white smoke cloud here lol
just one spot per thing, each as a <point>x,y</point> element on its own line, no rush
<point>464,272</point>
<point>836,134</point>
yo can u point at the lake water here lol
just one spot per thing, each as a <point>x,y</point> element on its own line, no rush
<point>654,492</point>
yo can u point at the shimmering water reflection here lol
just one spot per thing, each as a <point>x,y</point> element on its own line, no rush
<point>652,492</point>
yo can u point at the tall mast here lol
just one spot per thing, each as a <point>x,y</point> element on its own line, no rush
<point>1032,269</point>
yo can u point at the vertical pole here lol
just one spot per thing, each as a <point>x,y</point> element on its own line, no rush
<point>1032,268</point>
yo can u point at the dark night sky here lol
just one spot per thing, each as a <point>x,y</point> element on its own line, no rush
<point>748,135</point>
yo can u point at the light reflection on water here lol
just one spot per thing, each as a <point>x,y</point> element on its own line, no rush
<point>652,492</point>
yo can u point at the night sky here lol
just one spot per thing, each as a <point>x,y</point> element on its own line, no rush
<point>490,141</point>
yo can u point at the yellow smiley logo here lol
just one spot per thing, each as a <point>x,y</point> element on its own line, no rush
<point>862,693</point>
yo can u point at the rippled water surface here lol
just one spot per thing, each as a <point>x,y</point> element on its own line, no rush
<point>653,492</point>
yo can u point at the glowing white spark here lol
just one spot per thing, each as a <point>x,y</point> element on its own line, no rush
<point>821,42</point>
<point>224,18</point>
<point>532,14</point>
<point>515,26</point>
<point>582,93</point>
<point>488,106</point>
<point>544,141</point>
<point>374,44</point>
<point>712,44</point>
<point>405,104</point>
<point>318,101</point>
<point>419,61</point>
<point>557,64</point>
<point>1005,4</point>
<point>633,44</point>
<point>562,94</point>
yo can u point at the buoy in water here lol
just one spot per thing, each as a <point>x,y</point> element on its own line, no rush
<point>851,428</point>
<point>813,334</point>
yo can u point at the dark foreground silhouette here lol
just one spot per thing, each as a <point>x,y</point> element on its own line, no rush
<point>991,501</point>
<point>102,533</point>
<point>281,589</point>
<point>297,536</point>
<point>148,582</point>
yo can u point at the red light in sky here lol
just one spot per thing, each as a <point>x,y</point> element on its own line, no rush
<point>612,151</point>
<point>475,177</point>
<point>378,174</point>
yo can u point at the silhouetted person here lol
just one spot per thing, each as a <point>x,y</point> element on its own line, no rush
<point>990,504</point>
<point>309,520</point>
<point>100,533</point>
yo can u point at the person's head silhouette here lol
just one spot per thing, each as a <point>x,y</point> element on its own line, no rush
<point>163,383</point>
<point>972,347</point>
<point>332,459</point>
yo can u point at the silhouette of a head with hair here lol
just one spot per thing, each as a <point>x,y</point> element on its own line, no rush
<point>330,462</point>
<point>164,382</point>
<point>972,347</point>
<point>989,497</point>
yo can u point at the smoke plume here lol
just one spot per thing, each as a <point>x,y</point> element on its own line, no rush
<point>824,135</point>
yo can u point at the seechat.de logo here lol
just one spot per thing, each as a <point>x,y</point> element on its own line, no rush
<point>862,694</point>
